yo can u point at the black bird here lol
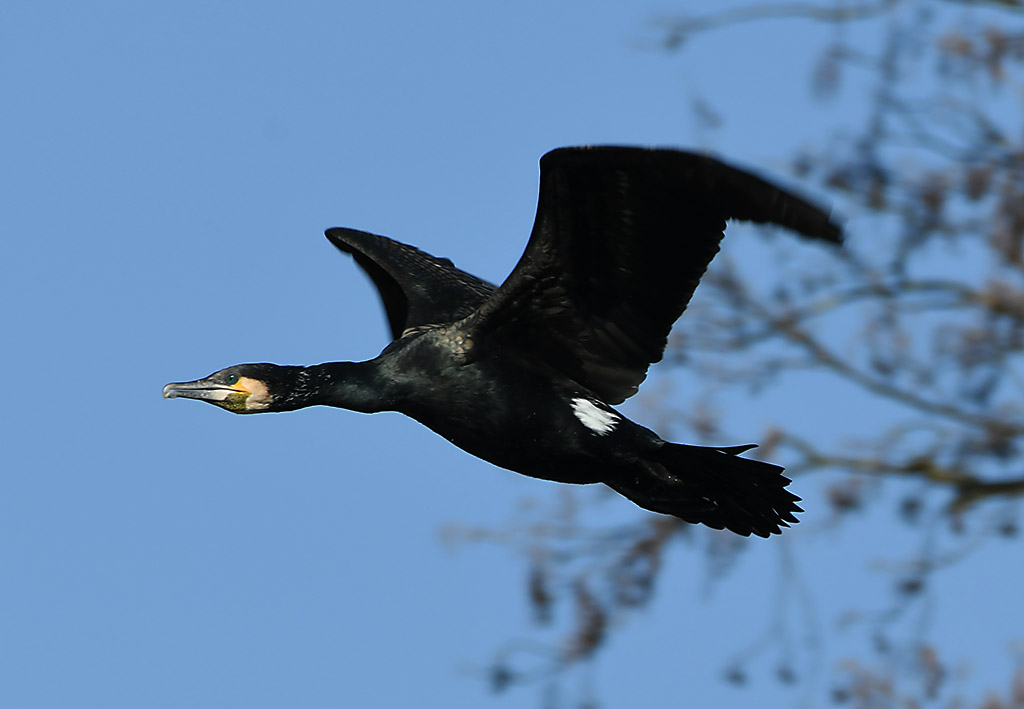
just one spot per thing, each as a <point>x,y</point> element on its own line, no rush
<point>525,375</point>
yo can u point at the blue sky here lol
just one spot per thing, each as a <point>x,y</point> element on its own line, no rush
<point>168,170</point>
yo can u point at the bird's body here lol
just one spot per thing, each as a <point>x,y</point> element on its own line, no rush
<point>531,427</point>
<point>525,375</point>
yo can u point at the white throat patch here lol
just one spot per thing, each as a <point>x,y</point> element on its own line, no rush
<point>598,420</point>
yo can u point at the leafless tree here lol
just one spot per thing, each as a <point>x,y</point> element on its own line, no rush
<point>922,314</point>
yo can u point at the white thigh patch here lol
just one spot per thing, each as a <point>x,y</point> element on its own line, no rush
<point>598,420</point>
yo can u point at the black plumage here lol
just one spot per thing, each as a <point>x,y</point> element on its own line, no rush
<point>523,375</point>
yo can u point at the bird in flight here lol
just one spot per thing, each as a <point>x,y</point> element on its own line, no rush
<point>525,375</point>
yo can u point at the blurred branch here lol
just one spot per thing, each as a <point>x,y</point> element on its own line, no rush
<point>678,29</point>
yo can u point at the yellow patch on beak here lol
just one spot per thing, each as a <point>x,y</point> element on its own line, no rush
<point>258,396</point>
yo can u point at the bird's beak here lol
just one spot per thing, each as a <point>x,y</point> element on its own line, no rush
<point>204,390</point>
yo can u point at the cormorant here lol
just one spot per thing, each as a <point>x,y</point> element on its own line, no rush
<point>525,375</point>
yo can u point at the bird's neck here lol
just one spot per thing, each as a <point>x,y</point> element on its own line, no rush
<point>348,385</point>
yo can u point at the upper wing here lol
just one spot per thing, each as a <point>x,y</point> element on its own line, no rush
<point>416,288</point>
<point>621,239</point>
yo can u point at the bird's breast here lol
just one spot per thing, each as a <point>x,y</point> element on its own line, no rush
<point>516,417</point>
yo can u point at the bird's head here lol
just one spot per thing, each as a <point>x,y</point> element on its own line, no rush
<point>242,389</point>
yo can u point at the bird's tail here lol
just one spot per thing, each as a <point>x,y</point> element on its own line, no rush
<point>713,486</point>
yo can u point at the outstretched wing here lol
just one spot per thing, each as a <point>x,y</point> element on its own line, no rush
<point>415,287</point>
<point>621,239</point>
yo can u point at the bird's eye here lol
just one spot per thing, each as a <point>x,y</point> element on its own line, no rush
<point>231,379</point>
